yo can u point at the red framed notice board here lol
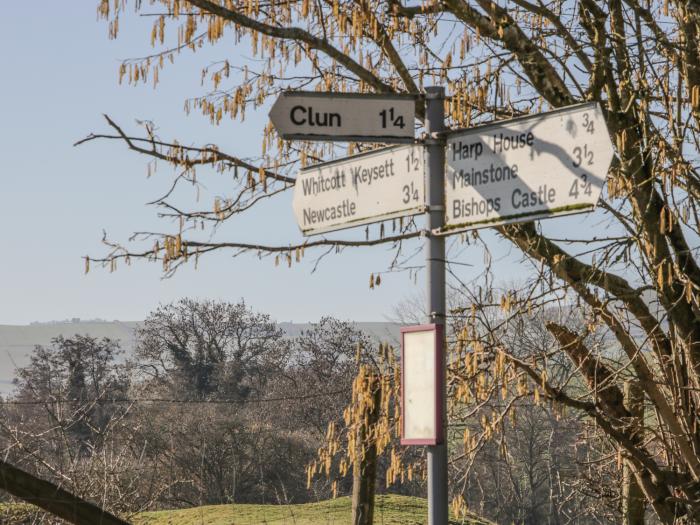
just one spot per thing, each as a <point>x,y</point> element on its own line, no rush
<point>421,380</point>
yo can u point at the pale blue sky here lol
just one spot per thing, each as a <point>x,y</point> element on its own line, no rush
<point>59,74</point>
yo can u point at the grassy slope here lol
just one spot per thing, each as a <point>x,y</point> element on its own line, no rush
<point>389,510</point>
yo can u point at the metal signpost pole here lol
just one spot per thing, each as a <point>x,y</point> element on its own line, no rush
<point>435,271</point>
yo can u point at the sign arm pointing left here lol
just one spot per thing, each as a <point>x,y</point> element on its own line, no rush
<point>308,115</point>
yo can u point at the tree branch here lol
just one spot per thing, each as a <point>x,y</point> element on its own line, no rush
<point>298,34</point>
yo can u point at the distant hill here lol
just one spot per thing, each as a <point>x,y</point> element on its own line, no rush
<point>385,332</point>
<point>18,341</point>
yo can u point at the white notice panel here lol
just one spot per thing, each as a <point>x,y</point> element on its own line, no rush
<point>420,385</point>
<point>370,187</point>
<point>522,169</point>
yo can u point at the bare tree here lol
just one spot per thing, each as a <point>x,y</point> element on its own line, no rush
<point>67,425</point>
<point>639,60</point>
<point>209,348</point>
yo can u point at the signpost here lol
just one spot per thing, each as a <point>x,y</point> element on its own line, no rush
<point>527,168</point>
<point>435,290</point>
<point>353,117</point>
<point>360,189</point>
<point>512,171</point>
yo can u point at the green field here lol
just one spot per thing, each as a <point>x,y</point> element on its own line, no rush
<point>389,510</point>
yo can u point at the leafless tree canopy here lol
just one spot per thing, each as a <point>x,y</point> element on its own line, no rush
<point>215,406</point>
<point>633,279</point>
<point>210,348</point>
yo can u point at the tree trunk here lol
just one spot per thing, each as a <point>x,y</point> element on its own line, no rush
<point>364,470</point>
<point>53,499</point>
<point>632,496</point>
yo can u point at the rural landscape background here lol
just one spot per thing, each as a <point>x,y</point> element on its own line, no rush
<point>17,342</point>
<point>247,373</point>
<point>210,403</point>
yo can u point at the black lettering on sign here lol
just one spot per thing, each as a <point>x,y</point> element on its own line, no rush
<point>528,199</point>
<point>362,174</point>
<point>466,151</point>
<point>301,115</point>
<point>321,183</point>
<point>514,141</point>
<point>341,210</point>
<point>490,174</point>
<point>469,208</point>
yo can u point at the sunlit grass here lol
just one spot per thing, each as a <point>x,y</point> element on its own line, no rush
<point>389,510</point>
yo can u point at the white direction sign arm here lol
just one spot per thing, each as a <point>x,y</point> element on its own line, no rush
<point>519,170</point>
<point>361,189</point>
<point>344,116</point>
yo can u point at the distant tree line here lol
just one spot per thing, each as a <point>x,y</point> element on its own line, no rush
<point>217,405</point>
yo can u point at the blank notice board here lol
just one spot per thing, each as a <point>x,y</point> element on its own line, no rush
<point>420,408</point>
